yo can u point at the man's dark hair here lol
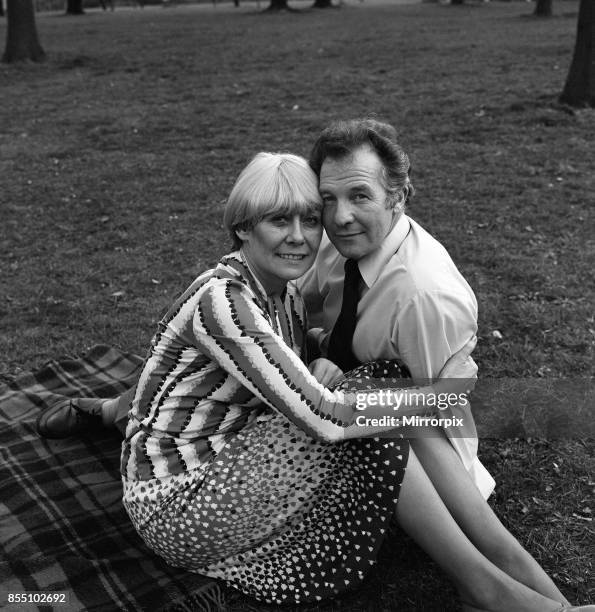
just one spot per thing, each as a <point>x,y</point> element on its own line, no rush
<point>341,138</point>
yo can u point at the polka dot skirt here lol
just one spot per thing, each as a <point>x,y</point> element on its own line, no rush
<point>277,515</point>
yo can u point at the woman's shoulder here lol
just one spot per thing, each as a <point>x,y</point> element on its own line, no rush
<point>223,275</point>
<point>230,271</point>
<point>230,280</point>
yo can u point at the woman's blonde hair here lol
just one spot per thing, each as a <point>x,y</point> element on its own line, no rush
<point>272,183</point>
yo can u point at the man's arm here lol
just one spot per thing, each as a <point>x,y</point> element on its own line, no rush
<point>431,327</point>
<point>429,330</point>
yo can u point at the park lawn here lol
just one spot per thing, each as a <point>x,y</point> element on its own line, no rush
<point>117,154</point>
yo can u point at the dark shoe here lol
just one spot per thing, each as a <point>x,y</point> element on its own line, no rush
<point>65,418</point>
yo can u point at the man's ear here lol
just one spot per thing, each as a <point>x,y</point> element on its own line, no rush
<point>397,202</point>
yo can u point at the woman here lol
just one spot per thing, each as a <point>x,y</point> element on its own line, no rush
<point>240,465</point>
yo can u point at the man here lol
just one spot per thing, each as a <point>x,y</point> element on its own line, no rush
<point>414,305</point>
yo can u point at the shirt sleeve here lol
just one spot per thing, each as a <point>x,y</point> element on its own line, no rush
<point>235,333</point>
<point>431,327</point>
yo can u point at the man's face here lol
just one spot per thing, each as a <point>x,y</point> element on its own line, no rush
<point>355,213</point>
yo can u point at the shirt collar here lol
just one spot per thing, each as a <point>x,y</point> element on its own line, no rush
<point>372,264</point>
<point>253,277</point>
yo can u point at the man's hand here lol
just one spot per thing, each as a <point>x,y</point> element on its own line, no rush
<point>325,371</point>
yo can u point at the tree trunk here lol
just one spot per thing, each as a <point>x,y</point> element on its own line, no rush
<point>544,8</point>
<point>580,83</point>
<point>21,36</point>
<point>1,9</point>
<point>322,4</point>
<point>277,5</point>
<point>457,1</point>
<point>74,7</point>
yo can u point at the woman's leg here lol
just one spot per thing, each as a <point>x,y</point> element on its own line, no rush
<point>84,416</point>
<point>113,411</point>
<point>423,515</point>
<point>475,517</point>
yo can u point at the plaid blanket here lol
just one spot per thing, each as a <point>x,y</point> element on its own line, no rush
<point>63,528</point>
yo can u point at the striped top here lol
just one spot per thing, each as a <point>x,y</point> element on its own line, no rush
<point>224,354</point>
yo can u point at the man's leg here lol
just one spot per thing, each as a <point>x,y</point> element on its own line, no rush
<point>475,517</point>
<point>423,515</point>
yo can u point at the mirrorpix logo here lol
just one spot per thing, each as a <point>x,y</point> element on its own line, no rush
<point>376,403</point>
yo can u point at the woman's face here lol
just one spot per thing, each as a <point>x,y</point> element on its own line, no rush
<point>282,247</point>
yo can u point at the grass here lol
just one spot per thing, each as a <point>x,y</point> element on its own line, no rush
<point>117,153</point>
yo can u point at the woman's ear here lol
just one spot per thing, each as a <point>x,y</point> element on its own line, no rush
<point>243,234</point>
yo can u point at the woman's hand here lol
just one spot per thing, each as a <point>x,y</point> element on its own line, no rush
<point>325,371</point>
<point>459,373</point>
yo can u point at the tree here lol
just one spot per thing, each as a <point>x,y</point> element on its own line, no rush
<point>322,4</point>
<point>278,5</point>
<point>22,42</point>
<point>543,8</point>
<point>74,7</point>
<point>580,83</point>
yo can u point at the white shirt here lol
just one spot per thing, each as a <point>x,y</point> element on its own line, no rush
<point>415,306</point>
